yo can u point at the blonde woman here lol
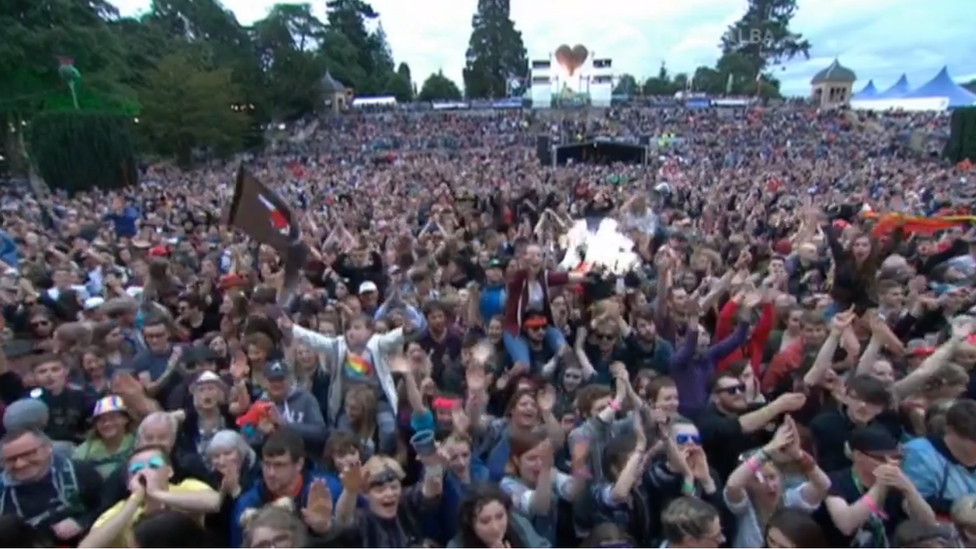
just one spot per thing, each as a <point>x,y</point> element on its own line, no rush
<point>756,488</point>
<point>109,442</point>
<point>274,525</point>
<point>360,418</point>
<point>311,370</point>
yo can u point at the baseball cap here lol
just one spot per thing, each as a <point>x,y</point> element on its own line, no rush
<point>873,440</point>
<point>208,377</point>
<point>496,263</point>
<point>94,303</point>
<point>275,370</point>
<point>367,287</point>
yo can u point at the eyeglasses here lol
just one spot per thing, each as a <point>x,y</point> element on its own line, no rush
<point>29,455</point>
<point>731,389</point>
<point>153,463</point>
<point>605,337</point>
<point>685,438</point>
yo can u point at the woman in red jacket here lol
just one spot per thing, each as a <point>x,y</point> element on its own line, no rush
<point>528,290</point>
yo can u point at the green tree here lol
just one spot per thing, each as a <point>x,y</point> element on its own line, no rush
<point>763,35</point>
<point>971,85</point>
<point>186,106</point>
<point>495,52</point>
<point>438,87</point>
<point>403,70</point>
<point>660,84</point>
<point>342,59</point>
<point>32,35</point>
<point>680,82</point>
<point>291,68</point>
<point>708,80</point>
<point>400,84</point>
<point>369,69</point>
<point>626,85</point>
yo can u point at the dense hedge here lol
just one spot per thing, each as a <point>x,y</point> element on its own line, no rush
<point>77,151</point>
<point>962,139</point>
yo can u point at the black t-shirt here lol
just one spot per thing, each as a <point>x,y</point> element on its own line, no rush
<point>873,533</point>
<point>210,323</point>
<point>831,430</point>
<point>642,355</point>
<point>442,352</point>
<point>724,441</point>
<point>68,414</point>
<point>601,363</point>
<point>538,358</point>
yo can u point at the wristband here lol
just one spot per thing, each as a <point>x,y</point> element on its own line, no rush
<point>807,463</point>
<point>873,506</point>
<point>754,464</point>
<point>615,405</point>
<point>688,488</point>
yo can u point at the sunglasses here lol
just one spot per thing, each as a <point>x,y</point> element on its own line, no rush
<point>153,463</point>
<point>685,438</point>
<point>605,337</point>
<point>732,390</point>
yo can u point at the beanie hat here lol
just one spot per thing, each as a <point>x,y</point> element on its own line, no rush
<point>25,413</point>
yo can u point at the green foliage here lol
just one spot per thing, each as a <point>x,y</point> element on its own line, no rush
<point>438,87</point>
<point>77,151</point>
<point>194,47</point>
<point>187,106</point>
<point>962,137</point>
<point>763,36</point>
<point>659,85</point>
<point>626,85</point>
<point>495,53</point>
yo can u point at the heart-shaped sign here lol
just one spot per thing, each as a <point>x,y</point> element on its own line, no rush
<point>573,58</point>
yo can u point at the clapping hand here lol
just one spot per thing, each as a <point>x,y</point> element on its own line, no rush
<point>784,438</point>
<point>459,419</point>
<point>546,399</point>
<point>890,475</point>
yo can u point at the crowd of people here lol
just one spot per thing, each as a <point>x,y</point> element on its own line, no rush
<point>780,369</point>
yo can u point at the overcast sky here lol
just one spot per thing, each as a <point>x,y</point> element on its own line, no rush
<point>878,39</point>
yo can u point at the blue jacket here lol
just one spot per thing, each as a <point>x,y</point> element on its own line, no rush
<point>9,250</point>
<point>492,302</point>
<point>443,525</point>
<point>125,223</point>
<point>258,496</point>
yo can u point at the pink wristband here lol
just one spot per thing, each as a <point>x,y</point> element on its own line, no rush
<point>754,464</point>
<point>873,506</point>
<point>615,405</point>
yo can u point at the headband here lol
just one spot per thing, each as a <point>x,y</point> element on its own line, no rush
<point>445,403</point>
<point>386,476</point>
